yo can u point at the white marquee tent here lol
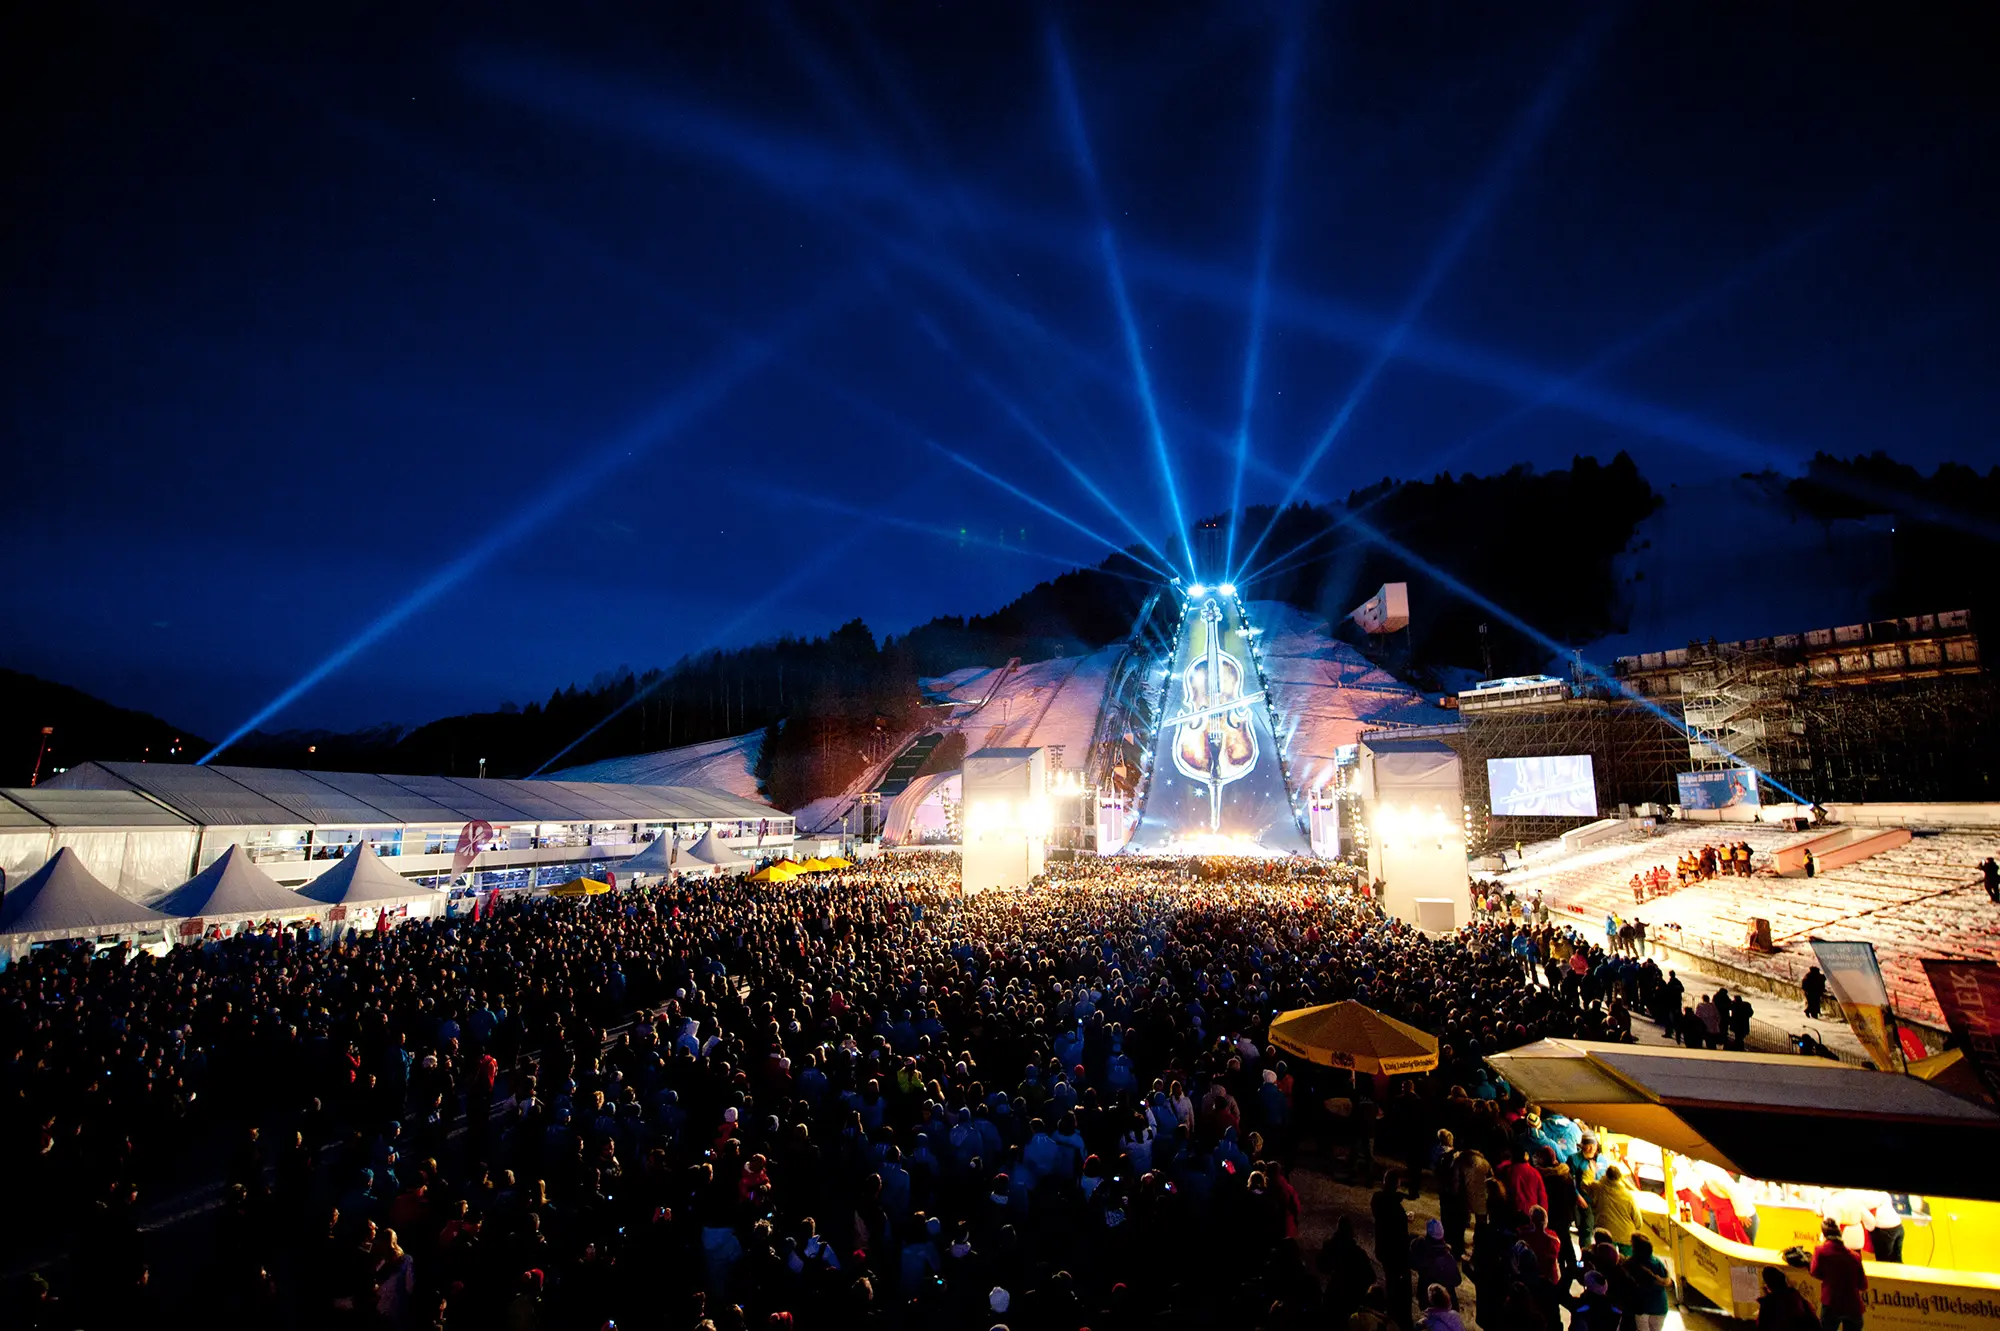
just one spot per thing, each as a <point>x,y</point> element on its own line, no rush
<point>63,899</point>
<point>362,879</point>
<point>233,888</point>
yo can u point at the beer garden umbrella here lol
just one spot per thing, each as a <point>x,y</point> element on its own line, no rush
<point>1357,1038</point>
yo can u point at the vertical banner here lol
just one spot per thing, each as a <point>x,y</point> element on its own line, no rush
<point>1856,980</point>
<point>1969,993</point>
<point>472,839</point>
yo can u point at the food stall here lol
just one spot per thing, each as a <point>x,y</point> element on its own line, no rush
<point>1738,1158</point>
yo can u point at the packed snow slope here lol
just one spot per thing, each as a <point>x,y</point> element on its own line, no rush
<point>1327,693</point>
<point>728,765</point>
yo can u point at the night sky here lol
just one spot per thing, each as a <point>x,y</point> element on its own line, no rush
<point>598,334</point>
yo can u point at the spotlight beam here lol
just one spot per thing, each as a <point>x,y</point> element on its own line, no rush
<point>811,177</point>
<point>1107,244</point>
<point>962,538</point>
<point>824,557</point>
<point>682,409</point>
<point>1053,512</point>
<point>1283,83</point>
<point>1710,300</point>
<point>855,402</point>
<point>1527,133</point>
<point>1020,417</point>
<point>1370,533</point>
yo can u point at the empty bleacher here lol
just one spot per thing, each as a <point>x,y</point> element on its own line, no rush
<point>1922,899</point>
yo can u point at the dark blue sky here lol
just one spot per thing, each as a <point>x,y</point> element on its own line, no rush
<point>631,311</point>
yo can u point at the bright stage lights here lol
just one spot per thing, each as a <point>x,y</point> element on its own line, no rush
<point>1197,590</point>
<point>1227,589</point>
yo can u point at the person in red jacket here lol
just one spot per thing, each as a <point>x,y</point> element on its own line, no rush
<point>1524,1184</point>
<point>1539,1239</point>
<point>1843,1281</point>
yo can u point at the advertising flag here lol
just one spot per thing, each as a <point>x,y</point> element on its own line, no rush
<point>472,839</point>
<point>1969,993</point>
<point>1856,980</point>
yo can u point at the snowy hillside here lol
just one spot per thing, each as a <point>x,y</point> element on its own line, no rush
<point>1326,692</point>
<point>720,764</point>
<point>1029,706</point>
<point>1688,576</point>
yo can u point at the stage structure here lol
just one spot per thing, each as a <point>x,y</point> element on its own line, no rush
<point>1895,709</point>
<point>1217,783</point>
<point>1006,817</point>
<point>1413,807</point>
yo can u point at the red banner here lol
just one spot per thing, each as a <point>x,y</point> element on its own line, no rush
<point>1969,993</point>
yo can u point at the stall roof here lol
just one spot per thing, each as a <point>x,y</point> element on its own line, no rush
<point>1769,1116</point>
<point>86,807</point>
<point>164,793</point>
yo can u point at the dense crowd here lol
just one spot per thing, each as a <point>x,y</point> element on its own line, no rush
<point>857,1099</point>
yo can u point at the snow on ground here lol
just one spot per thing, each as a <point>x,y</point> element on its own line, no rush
<point>720,764</point>
<point>1919,900</point>
<point>1327,692</point>
<point>1032,705</point>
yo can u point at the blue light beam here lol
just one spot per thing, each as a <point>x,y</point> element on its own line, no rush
<point>1053,512</point>
<point>1528,131</point>
<point>1283,83</point>
<point>790,584</point>
<point>669,419</point>
<point>1027,425</point>
<point>1107,244</point>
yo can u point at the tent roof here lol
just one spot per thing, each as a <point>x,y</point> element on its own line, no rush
<point>232,888</point>
<point>282,797</point>
<point>63,899</point>
<point>1771,1116</point>
<point>61,806</point>
<point>712,849</point>
<point>652,859</point>
<point>361,879</point>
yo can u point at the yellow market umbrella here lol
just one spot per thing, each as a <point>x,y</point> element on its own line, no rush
<point>581,887</point>
<point>817,865</point>
<point>1348,1035</point>
<point>840,862</point>
<point>781,872</point>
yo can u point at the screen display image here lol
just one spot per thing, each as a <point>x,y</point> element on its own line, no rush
<point>1559,787</point>
<point>1719,790</point>
<point>1216,784</point>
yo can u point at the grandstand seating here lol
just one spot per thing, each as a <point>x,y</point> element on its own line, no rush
<point>1920,899</point>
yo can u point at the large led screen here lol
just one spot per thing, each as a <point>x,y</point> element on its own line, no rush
<point>1216,784</point>
<point>1560,787</point>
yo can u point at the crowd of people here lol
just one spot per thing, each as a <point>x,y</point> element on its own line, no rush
<point>857,1099</point>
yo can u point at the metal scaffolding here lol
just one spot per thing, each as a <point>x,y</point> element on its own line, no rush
<point>1741,705</point>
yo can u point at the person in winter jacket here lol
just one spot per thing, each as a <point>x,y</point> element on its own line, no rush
<point>1433,1262</point>
<point>1616,1212</point>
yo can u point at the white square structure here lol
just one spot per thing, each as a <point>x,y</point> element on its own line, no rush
<point>1005,823</point>
<point>1413,802</point>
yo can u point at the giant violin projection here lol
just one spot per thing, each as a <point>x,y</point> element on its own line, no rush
<point>1215,743</point>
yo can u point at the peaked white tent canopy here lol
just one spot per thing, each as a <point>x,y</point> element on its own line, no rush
<point>713,850</point>
<point>233,888</point>
<point>708,855</point>
<point>63,899</point>
<point>363,880</point>
<point>656,858</point>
